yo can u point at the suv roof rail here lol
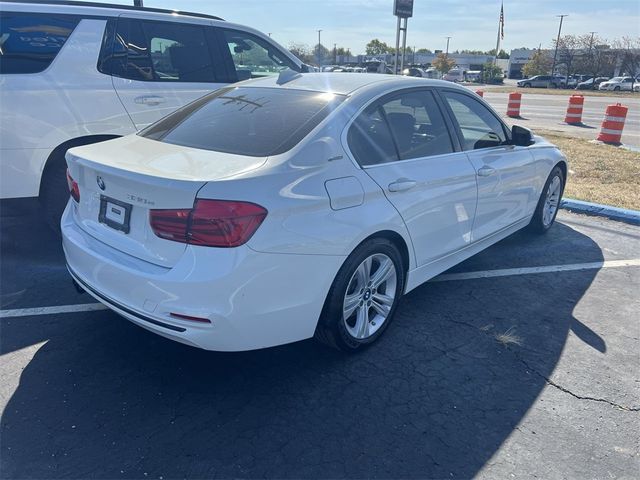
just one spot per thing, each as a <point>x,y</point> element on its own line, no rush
<point>113,5</point>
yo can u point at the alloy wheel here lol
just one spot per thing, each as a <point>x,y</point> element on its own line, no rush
<point>369,296</point>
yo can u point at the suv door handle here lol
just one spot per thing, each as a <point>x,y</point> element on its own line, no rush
<point>486,171</point>
<point>149,100</point>
<point>401,185</point>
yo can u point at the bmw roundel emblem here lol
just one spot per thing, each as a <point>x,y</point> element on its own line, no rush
<point>100,182</point>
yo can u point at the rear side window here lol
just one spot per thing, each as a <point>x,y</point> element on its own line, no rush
<point>249,121</point>
<point>157,52</point>
<point>402,127</point>
<point>29,43</point>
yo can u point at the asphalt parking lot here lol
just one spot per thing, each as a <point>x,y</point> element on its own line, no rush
<point>87,394</point>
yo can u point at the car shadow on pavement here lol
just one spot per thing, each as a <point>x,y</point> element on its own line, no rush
<point>435,398</point>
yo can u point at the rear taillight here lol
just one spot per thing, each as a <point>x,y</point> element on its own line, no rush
<point>74,190</point>
<point>211,223</point>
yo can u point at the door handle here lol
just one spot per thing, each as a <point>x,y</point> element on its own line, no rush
<point>149,100</point>
<point>486,171</point>
<point>401,185</point>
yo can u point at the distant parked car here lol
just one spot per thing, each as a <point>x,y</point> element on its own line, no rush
<point>414,72</point>
<point>541,81</point>
<point>591,83</point>
<point>618,84</point>
<point>454,75</point>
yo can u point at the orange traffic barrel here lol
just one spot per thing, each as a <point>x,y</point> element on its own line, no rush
<point>613,124</point>
<point>513,108</point>
<point>480,93</point>
<point>574,110</point>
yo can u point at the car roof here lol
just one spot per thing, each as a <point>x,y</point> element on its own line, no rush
<point>107,8</point>
<point>343,83</point>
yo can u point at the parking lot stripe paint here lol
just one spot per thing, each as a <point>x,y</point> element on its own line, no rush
<point>507,272</point>
<point>28,312</point>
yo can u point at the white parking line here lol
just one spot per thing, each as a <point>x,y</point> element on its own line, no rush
<point>28,312</point>
<point>504,272</point>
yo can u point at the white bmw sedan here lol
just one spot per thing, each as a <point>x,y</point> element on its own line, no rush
<point>296,206</point>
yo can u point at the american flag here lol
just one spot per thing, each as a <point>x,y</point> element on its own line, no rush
<point>502,21</point>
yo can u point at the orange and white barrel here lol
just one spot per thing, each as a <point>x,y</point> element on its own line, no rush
<point>513,107</point>
<point>480,93</point>
<point>613,124</point>
<point>574,110</point>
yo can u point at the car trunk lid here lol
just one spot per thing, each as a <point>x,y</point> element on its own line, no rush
<point>121,180</point>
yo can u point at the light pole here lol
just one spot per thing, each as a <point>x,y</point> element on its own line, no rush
<point>555,53</point>
<point>446,54</point>
<point>319,45</point>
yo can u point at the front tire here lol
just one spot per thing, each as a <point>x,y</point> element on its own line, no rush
<point>363,297</point>
<point>616,89</point>
<point>549,203</point>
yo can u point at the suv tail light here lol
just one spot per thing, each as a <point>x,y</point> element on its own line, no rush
<point>211,223</point>
<point>74,190</point>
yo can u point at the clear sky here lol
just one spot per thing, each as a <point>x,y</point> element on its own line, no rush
<point>471,24</point>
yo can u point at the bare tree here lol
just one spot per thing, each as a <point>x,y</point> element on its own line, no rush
<point>628,50</point>
<point>568,51</point>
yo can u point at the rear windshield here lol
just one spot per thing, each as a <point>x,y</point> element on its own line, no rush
<point>257,122</point>
<point>29,43</point>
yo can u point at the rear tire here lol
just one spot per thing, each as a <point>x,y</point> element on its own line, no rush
<point>363,298</point>
<point>54,192</point>
<point>549,203</point>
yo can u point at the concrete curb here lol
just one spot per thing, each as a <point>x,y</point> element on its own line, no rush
<point>620,214</point>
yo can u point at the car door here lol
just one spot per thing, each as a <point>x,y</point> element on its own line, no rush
<point>403,143</point>
<point>159,66</point>
<point>508,185</point>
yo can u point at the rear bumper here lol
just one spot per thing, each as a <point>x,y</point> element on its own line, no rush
<point>253,300</point>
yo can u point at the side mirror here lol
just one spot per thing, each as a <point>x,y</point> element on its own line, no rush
<point>521,137</point>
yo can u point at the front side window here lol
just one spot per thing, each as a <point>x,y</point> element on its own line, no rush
<point>29,43</point>
<point>403,127</point>
<point>159,52</point>
<point>257,122</point>
<point>253,56</point>
<point>478,125</point>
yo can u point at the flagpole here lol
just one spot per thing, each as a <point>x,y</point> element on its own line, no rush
<point>495,57</point>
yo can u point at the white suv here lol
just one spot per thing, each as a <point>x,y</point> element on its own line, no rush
<point>75,73</point>
<point>618,83</point>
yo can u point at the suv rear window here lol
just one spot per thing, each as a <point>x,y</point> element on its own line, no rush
<point>257,122</point>
<point>154,51</point>
<point>29,43</point>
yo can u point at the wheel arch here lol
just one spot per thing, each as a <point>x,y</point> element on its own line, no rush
<point>57,154</point>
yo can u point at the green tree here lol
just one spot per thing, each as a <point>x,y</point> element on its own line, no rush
<point>539,64</point>
<point>377,47</point>
<point>492,73</point>
<point>424,50</point>
<point>443,63</point>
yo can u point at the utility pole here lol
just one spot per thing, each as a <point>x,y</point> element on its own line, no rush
<point>318,51</point>
<point>335,54</point>
<point>446,54</point>
<point>555,53</point>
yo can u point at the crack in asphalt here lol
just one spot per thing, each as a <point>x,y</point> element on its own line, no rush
<point>548,380</point>
<point>575,395</point>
